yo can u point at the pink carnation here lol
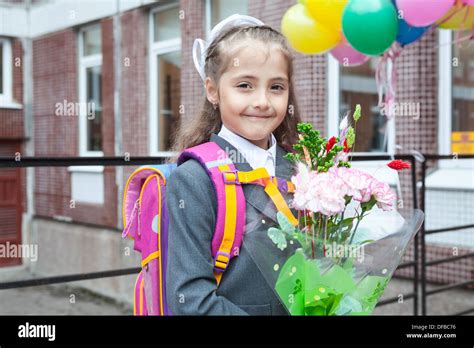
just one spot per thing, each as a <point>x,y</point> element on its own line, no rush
<point>319,192</point>
<point>384,195</point>
<point>358,183</point>
<point>325,192</point>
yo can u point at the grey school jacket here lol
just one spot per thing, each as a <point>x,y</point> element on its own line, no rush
<point>191,288</point>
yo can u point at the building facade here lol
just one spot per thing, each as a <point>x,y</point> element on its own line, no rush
<point>115,78</point>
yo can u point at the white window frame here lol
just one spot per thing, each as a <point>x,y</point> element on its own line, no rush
<point>6,98</point>
<point>445,107</point>
<point>207,18</point>
<point>156,49</point>
<point>87,182</point>
<point>85,63</point>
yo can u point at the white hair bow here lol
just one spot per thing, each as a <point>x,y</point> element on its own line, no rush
<point>202,46</point>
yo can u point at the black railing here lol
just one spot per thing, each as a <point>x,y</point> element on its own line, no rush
<point>419,239</point>
<point>26,162</point>
<point>424,264</point>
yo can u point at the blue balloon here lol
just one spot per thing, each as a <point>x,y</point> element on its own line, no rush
<point>408,34</point>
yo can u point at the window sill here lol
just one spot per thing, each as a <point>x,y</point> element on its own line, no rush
<point>10,105</point>
<point>85,169</point>
<point>377,169</point>
<point>450,179</point>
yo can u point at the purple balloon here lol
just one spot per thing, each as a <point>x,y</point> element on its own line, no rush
<point>420,13</point>
<point>347,55</point>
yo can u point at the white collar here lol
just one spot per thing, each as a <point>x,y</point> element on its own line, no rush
<point>254,155</point>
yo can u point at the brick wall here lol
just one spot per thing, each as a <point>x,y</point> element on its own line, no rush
<point>192,27</point>
<point>134,97</point>
<point>55,79</point>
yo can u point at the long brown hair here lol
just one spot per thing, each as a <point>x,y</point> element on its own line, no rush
<point>199,129</point>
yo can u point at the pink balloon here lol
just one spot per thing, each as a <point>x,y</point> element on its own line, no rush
<point>347,55</point>
<point>420,13</point>
<point>468,2</point>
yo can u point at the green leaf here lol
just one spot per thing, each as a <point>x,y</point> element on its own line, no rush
<point>369,290</point>
<point>366,206</point>
<point>285,224</point>
<point>350,136</point>
<point>277,236</point>
<point>357,112</point>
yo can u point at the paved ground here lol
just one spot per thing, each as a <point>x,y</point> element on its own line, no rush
<point>58,300</point>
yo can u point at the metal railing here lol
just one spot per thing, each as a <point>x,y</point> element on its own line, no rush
<point>423,232</point>
<point>419,239</point>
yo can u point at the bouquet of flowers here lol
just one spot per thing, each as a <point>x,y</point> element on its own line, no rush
<point>349,236</point>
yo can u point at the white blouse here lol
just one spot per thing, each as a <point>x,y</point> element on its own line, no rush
<point>254,155</point>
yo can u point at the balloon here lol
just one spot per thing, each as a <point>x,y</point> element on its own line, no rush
<point>306,35</point>
<point>420,13</point>
<point>408,34</point>
<point>328,13</point>
<point>458,18</point>
<point>370,26</point>
<point>346,55</point>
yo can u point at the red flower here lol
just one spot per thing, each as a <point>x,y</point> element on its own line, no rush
<point>330,144</point>
<point>346,148</point>
<point>399,165</point>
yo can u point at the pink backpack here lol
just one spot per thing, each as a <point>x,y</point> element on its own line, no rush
<point>149,227</point>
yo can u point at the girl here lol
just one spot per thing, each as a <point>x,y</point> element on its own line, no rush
<point>250,112</point>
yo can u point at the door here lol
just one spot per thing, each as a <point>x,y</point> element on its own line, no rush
<point>10,208</point>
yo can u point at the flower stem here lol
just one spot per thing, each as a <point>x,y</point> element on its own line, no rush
<point>359,218</point>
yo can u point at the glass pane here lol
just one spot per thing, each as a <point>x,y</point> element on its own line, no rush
<point>167,24</point>
<point>358,87</point>
<point>221,9</point>
<point>1,68</point>
<point>463,98</point>
<point>169,98</point>
<point>92,41</point>
<point>94,108</point>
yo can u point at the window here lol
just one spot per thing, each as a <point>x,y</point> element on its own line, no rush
<point>456,99</point>
<point>169,75</point>
<point>348,86</point>
<point>357,86</point>
<point>1,68</point>
<point>217,10</point>
<point>87,182</point>
<point>165,81</point>
<point>90,91</point>
<point>5,73</point>
<point>462,118</point>
<point>167,25</point>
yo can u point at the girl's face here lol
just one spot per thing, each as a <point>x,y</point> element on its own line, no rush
<point>253,93</point>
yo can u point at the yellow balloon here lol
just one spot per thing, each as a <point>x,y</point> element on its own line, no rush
<point>457,18</point>
<point>327,12</point>
<point>306,35</point>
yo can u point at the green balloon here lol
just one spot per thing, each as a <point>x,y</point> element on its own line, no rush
<point>370,26</point>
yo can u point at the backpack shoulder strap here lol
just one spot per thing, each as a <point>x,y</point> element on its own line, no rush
<point>230,220</point>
